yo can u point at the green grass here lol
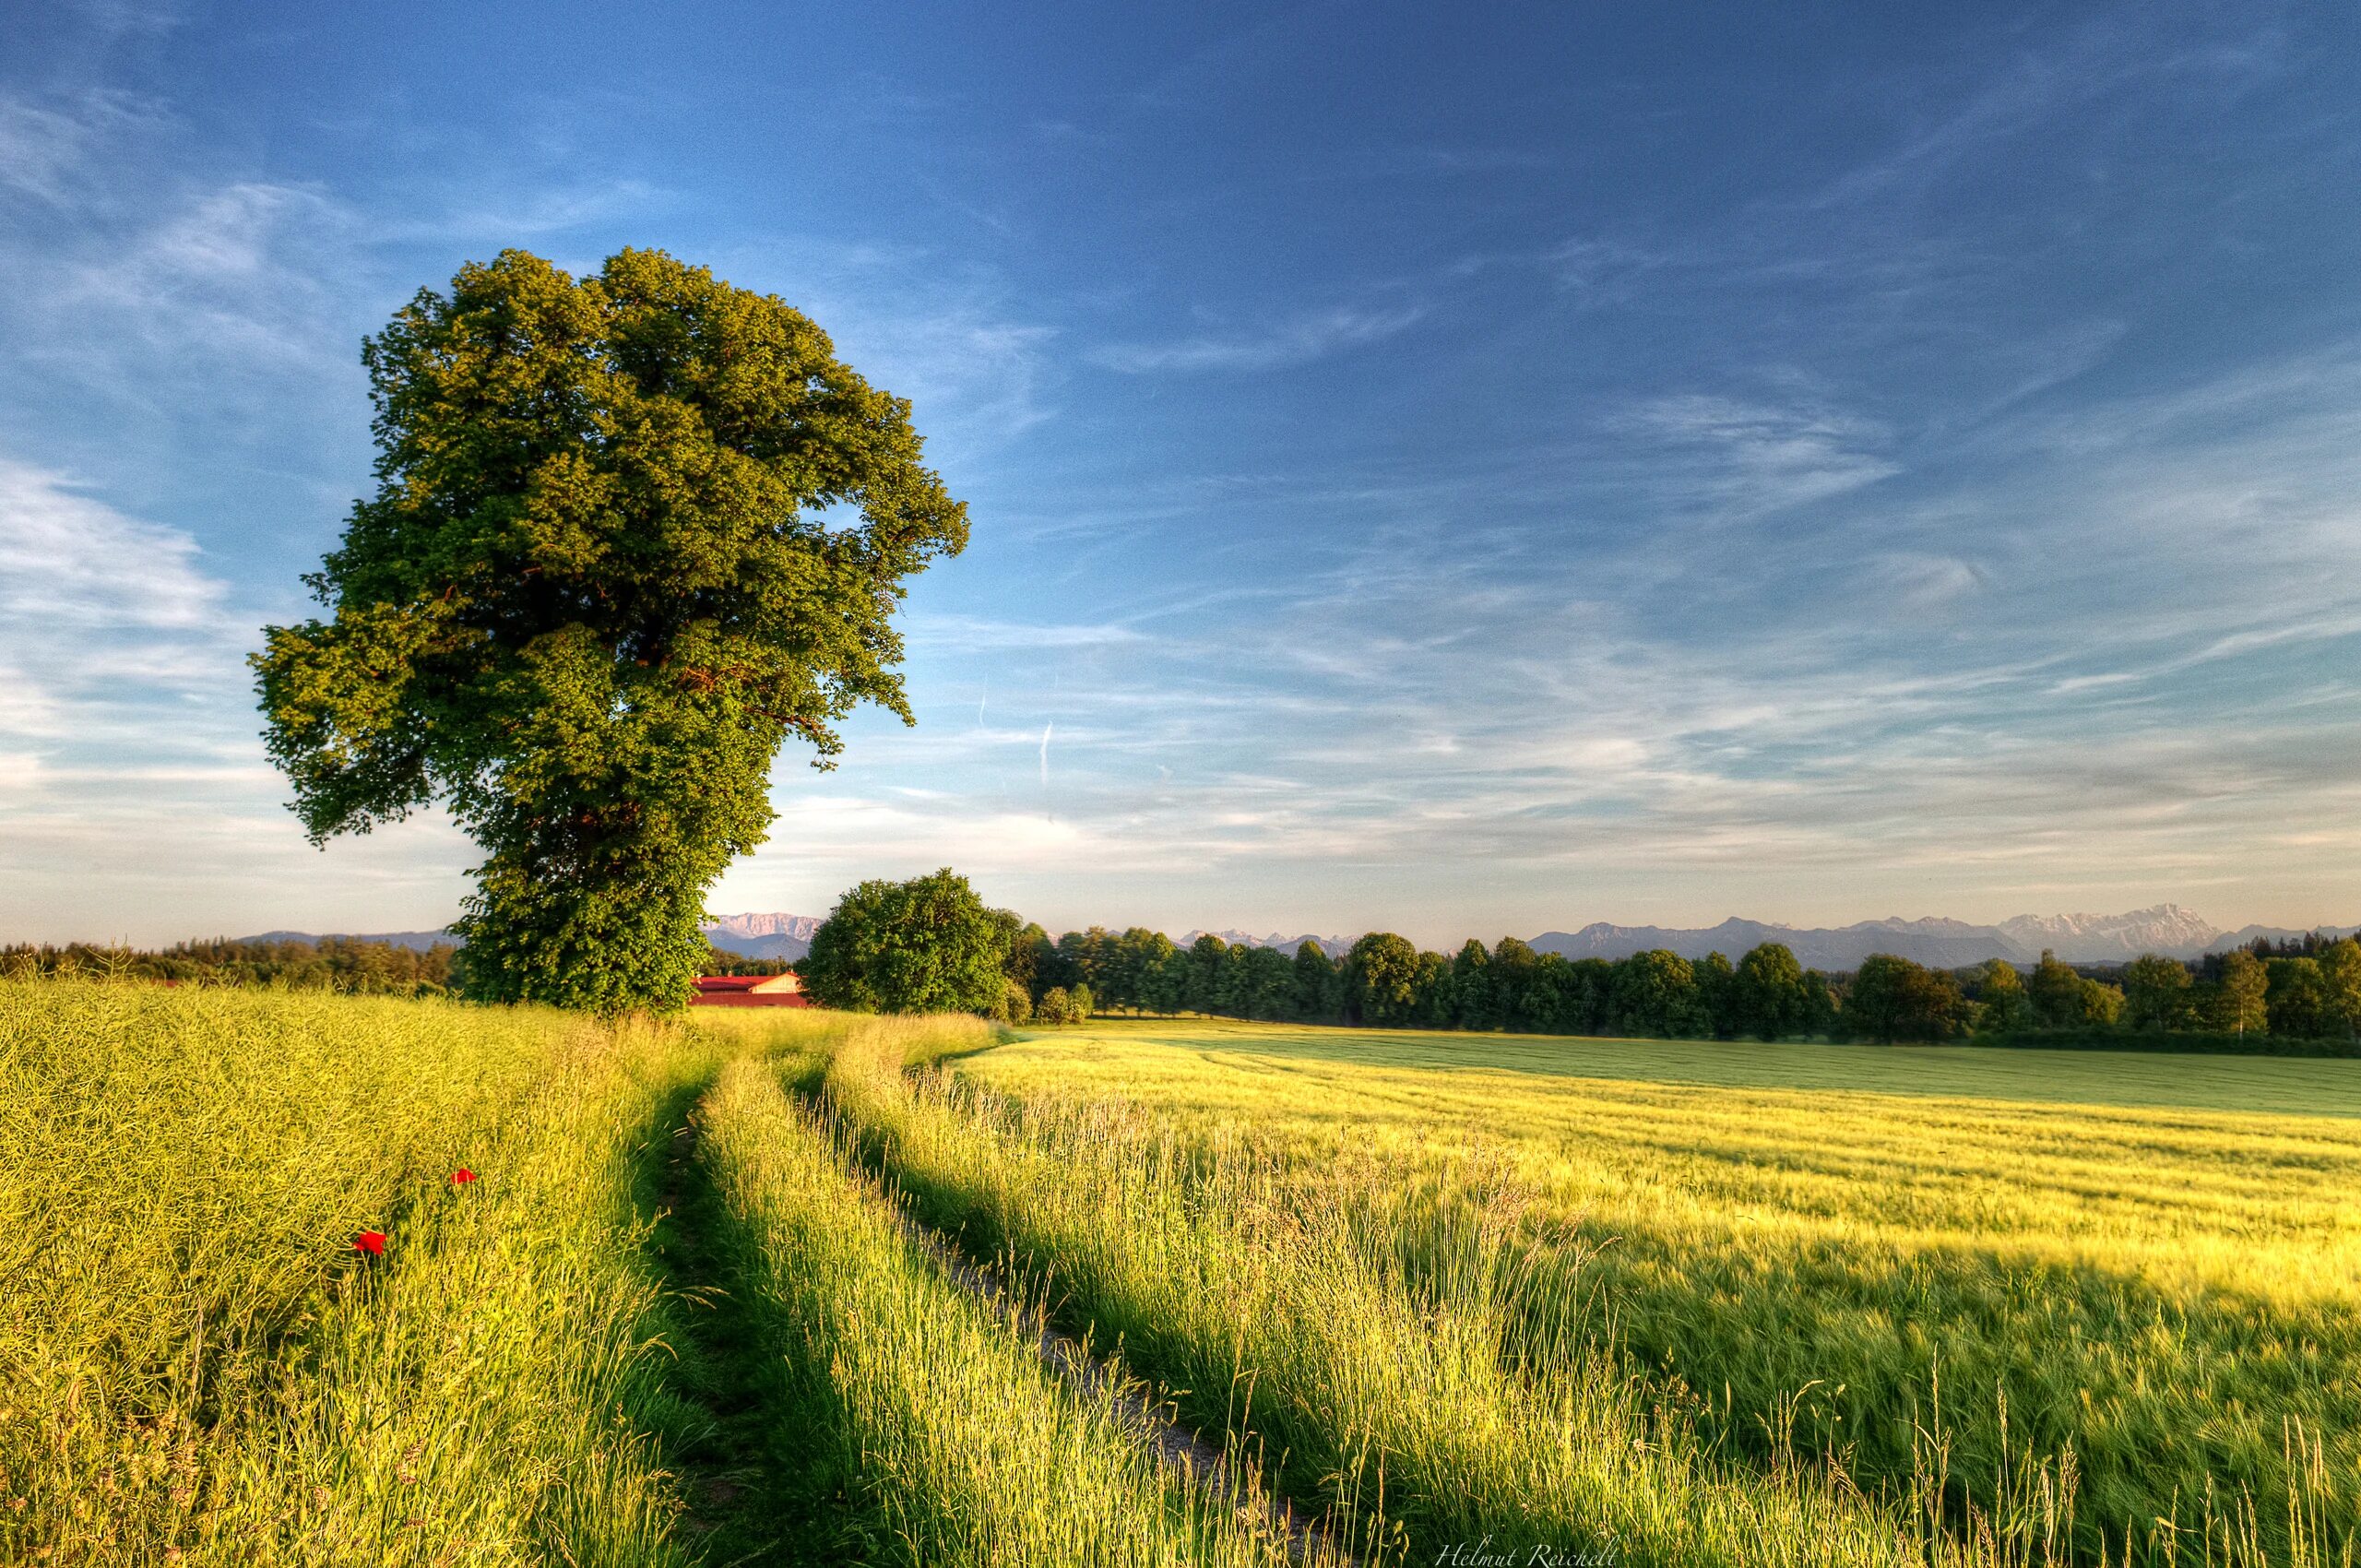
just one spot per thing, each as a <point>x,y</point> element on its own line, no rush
<point>2149,1262</point>
<point>972,1452</point>
<point>195,1367</point>
<point>606,1351</point>
<point>1372,1351</point>
<point>2297,1086</point>
<point>1685,1303</point>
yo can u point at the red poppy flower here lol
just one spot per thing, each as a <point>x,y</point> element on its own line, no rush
<point>462,1176</point>
<point>370,1241</point>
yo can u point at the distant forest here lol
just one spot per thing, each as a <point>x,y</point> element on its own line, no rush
<point>330,963</point>
<point>2298,997</point>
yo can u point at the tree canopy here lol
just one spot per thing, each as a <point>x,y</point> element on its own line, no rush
<point>1768,996</point>
<point>631,531</point>
<point>925,945</point>
<point>1894,999</point>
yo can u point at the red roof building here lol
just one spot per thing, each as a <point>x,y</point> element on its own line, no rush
<point>749,990</point>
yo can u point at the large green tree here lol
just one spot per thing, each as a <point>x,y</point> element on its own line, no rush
<point>925,945</point>
<point>1655,994</point>
<point>1894,999</point>
<point>2156,992</point>
<point>2059,999</point>
<point>2341,974</point>
<point>631,531</point>
<point>1767,993</point>
<point>2295,997</point>
<point>2001,1004</point>
<point>1381,980</point>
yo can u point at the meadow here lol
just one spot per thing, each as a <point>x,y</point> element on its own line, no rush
<point>1639,1301</point>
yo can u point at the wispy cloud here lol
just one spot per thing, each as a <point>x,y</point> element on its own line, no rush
<point>1747,458</point>
<point>970,633</point>
<point>67,560</point>
<point>1295,341</point>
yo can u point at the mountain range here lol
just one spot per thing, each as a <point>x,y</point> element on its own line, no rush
<point>1334,947</point>
<point>762,936</point>
<point>416,941</point>
<point>2166,929</point>
<point>1942,943</point>
<point>748,936</point>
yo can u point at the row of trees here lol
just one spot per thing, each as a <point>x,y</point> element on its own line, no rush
<point>1386,981</point>
<point>332,963</point>
<point>931,944</point>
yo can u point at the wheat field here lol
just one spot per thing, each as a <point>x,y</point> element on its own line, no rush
<point>2142,1271</point>
<point>1646,1302</point>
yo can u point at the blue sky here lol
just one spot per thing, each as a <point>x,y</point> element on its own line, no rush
<point>1453,474</point>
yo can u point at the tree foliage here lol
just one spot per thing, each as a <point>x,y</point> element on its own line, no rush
<point>631,531</point>
<point>2156,992</point>
<point>1655,994</point>
<point>925,945</point>
<point>1767,994</point>
<point>1381,976</point>
<point>1894,999</point>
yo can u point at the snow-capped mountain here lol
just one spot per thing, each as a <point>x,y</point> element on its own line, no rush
<point>1334,947</point>
<point>762,935</point>
<point>2167,929</point>
<point>1943,944</point>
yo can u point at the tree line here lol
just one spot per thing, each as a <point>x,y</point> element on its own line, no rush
<point>1384,979</point>
<point>333,963</point>
<point>930,944</point>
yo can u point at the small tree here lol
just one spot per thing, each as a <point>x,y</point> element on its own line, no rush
<point>2339,964</point>
<point>606,574</point>
<point>1819,1003</point>
<point>925,945</point>
<point>1059,1006</point>
<point>2242,999</point>
<point>2002,1007</point>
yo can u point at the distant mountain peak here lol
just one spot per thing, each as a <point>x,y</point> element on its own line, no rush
<point>762,935</point>
<point>1334,947</point>
<point>2169,929</point>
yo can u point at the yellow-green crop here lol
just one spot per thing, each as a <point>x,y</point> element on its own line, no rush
<point>2139,1273</point>
<point>975,1453</point>
<point>195,1365</point>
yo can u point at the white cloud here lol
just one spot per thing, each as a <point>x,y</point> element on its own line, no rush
<point>67,560</point>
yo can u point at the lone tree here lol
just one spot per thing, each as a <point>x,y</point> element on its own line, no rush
<point>631,531</point>
<point>925,945</point>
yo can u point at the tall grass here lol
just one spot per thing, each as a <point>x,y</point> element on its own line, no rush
<point>974,1453</point>
<point>195,1366</point>
<point>1403,1402</point>
<point>1960,1302</point>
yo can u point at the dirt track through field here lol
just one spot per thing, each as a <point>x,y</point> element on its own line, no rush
<point>1151,1421</point>
<point>743,1500</point>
